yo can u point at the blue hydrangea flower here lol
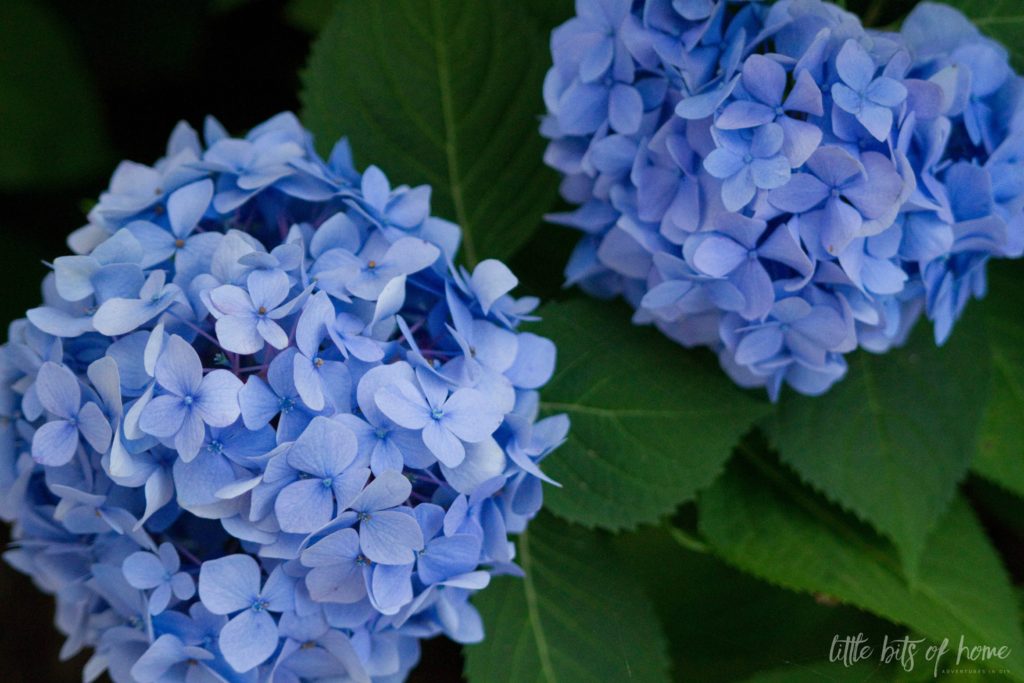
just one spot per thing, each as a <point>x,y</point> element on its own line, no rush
<point>234,585</point>
<point>268,427</point>
<point>782,152</point>
<point>263,400</point>
<point>746,165</point>
<point>247,318</point>
<point>764,81</point>
<point>314,479</point>
<point>159,573</point>
<point>447,420</point>
<point>859,93</point>
<point>169,658</point>
<point>190,399</point>
<point>57,441</point>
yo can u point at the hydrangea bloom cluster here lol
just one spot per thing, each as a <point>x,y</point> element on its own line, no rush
<point>780,184</point>
<point>262,428</point>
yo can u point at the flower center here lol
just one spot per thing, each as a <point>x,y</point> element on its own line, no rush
<point>371,264</point>
<point>263,310</point>
<point>259,604</point>
<point>327,482</point>
<point>179,244</point>
<point>188,400</point>
<point>437,413</point>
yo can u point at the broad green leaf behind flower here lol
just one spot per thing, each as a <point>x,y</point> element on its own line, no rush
<point>442,92</point>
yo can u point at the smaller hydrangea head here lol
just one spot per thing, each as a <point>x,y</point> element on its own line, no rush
<point>731,159</point>
<point>265,426</point>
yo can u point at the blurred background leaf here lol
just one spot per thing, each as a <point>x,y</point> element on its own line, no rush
<point>549,13</point>
<point>1001,447</point>
<point>1001,19</point>
<point>309,15</point>
<point>50,110</point>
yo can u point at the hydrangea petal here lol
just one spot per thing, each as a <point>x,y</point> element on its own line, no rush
<point>389,537</point>
<point>229,584</point>
<point>248,640</point>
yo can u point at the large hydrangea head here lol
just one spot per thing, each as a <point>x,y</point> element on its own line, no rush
<point>262,427</point>
<point>777,182</point>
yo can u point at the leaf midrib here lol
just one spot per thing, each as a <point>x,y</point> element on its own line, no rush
<point>884,446</point>
<point>533,609</point>
<point>451,134</point>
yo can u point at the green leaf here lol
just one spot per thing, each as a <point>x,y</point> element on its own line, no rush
<point>309,15</point>
<point>575,617</point>
<point>1000,19</point>
<point>443,92</point>
<point>760,519</point>
<point>51,129</point>
<point>893,439</point>
<point>723,624</point>
<point>1003,513</point>
<point>652,423</point>
<point>549,13</point>
<point>1001,447</point>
